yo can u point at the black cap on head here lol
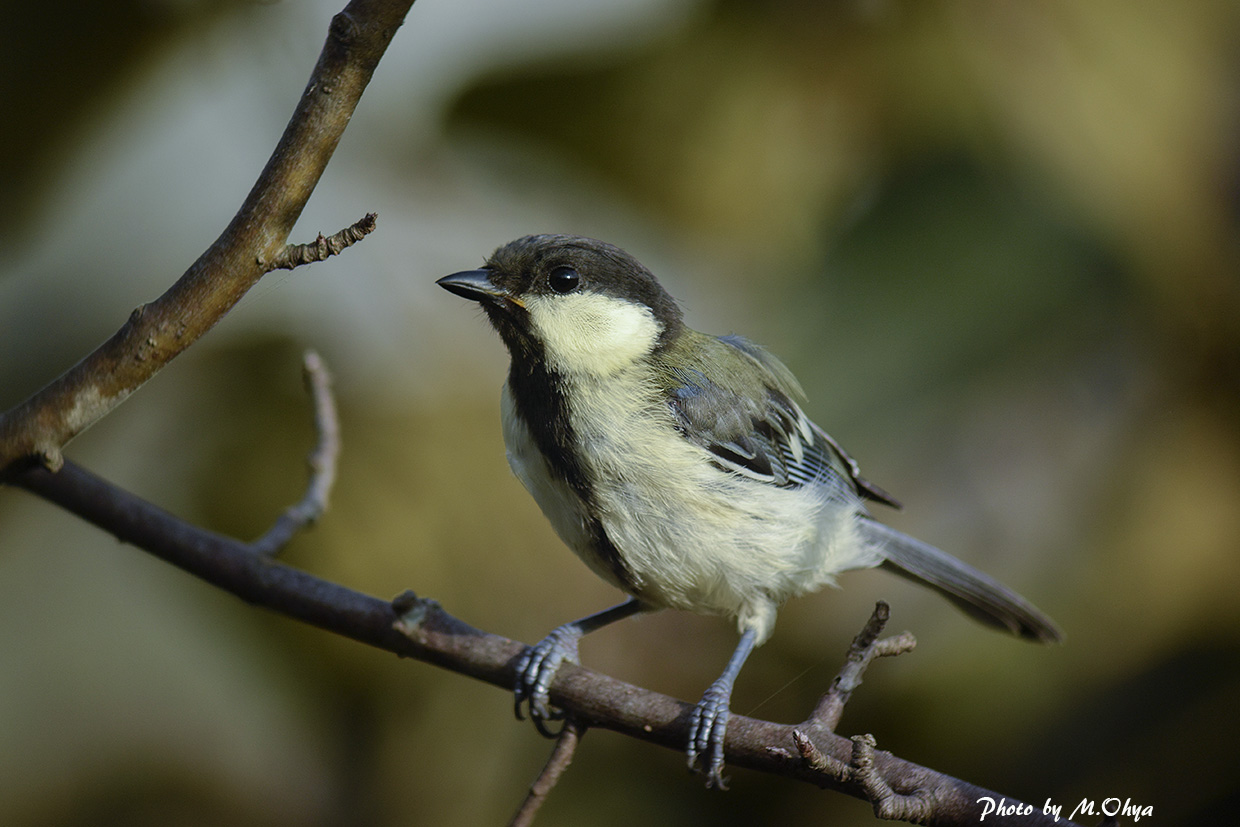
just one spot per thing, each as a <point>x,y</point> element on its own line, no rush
<point>529,265</point>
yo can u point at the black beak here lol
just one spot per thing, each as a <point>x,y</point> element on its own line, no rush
<point>475,285</point>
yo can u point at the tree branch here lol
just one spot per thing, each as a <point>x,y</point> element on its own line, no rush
<point>865,647</point>
<point>322,462</point>
<point>255,238</point>
<point>561,756</point>
<point>321,249</point>
<point>419,628</point>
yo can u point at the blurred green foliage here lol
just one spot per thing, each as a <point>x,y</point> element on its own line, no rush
<point>996,241</point>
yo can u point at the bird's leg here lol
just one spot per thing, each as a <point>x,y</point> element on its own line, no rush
<point>710,717</point>
<point>538,665</point>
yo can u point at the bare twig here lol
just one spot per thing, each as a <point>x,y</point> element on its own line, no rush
<point>157,332</point>
<point>561,757</point>
<point>865,647</point>
<point>917,795</point>
<point>322,462</point>
<point>295,255</point>
<point>915,807</point>
<point>860,769</point>
<point>816,759</point>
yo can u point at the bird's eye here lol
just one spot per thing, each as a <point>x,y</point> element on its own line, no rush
<point>563,279</point>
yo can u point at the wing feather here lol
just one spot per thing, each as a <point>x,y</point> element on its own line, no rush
<point>750,421</point>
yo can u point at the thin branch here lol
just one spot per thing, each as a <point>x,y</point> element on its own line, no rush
<point>295,255</point>
<point>157,332</point>
<point>865,647</point>
<point>322,462</point>
<point>419,628</point>
<point>916,807</point>
<point>561,756</point>
<point>816,759</point>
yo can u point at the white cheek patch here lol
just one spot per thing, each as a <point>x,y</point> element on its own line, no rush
<point>591,334</point>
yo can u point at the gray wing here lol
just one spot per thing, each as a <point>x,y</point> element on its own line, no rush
<point>766,437</point>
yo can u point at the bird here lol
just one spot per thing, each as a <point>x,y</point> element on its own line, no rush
<point>681,468</point>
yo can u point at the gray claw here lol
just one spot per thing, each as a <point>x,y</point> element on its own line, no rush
<point>537,669</point>
<point>707,729</point>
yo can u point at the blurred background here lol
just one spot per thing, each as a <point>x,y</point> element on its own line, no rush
<point>997,242</point>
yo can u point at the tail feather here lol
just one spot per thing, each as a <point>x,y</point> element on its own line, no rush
<point>980,596</point>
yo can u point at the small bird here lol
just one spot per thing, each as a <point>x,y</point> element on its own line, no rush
<point>681,468</point>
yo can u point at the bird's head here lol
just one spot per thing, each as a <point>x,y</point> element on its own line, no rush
<point>579,306</point>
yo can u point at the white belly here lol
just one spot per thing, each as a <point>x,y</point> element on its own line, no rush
<point>693,537</point>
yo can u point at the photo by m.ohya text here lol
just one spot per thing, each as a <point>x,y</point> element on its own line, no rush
<point>1122,807</point>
